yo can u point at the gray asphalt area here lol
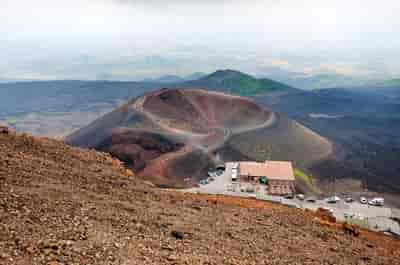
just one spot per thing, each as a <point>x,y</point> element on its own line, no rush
<point>372,217</point>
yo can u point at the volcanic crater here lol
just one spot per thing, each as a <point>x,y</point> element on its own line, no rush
<point>173,136</point>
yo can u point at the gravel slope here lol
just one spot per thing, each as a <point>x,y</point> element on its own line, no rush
<point>64,205</point>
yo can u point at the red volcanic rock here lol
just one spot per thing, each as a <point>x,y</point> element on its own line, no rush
<point>4,130</point>
<point>145,140</point>
<point>137,148</point>
<point>129,173</point>
<point>170,135</point>
<point>200,111</point>
<point>175,108</point>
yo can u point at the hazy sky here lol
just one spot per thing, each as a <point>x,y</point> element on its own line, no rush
<point>133,39</point>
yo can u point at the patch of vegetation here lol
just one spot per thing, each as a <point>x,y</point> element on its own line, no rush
<point>388,83</point>
<point>395,82</point>
<point>243,84</point>
<point>135,122</point>
<point>249,86</point>
<point>359,222</point>
<point>307,179</point>
<point>12,121</point>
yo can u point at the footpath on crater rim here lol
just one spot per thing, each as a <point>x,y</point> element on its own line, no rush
<point>172,137</point>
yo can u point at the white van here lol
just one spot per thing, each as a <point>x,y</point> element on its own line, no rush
<point>333,199</point>
<point>234,175</point>
<point>235,165</point>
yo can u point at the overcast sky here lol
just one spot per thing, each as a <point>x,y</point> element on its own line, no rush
<point>134,39</point>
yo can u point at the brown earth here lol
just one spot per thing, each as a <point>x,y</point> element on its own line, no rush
<point>174,135</point>
<point>202,111</point>
<point>65,205</point>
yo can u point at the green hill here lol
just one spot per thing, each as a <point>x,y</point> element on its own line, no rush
<point>241,84</point>
<point>394,82</point>
<point>388,83</point>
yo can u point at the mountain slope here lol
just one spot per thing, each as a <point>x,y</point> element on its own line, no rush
<point>64,96</point>
<point>165,79</point>
<point>63,205</point>
<point>364,124</point>
<point>158,132</point>
<point>27,106</point>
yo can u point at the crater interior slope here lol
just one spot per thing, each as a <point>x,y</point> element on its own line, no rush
<point>173,136</point>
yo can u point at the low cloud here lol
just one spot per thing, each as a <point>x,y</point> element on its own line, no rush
<point>175,2</point>
<point>47,37</point>
<point>345,69</point>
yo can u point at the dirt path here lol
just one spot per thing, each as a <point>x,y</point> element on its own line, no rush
<point>197,139</point>
<point>228,133</point>
<point>138,106</point>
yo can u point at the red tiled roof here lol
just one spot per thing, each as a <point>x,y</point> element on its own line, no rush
<point>273,170</point>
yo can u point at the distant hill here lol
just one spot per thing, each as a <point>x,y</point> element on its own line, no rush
<point>238,83</point>
<point>195,76</point>
<point>389,83</point>
<point>364,124</point>
<point>381,90</point>
<point>168,79</point>
<point>395,82</point>
<point>165,79</point>
<point>66,95</point>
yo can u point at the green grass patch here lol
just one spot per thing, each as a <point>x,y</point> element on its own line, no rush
<point>249,86</point>
<point>12,120</point>
<point>307,179</point>
<point>134,122</point>
<point>394,82</point>
<point>243,84</point>
<point>358,222</point>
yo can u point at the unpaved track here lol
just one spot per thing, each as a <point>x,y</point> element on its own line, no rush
<point>196,139</point>
<point>228,133</point>
<point>138,106</point>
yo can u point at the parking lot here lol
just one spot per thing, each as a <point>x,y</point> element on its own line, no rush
<point>372,217</point>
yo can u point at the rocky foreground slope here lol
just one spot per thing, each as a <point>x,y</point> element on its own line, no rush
<point>64,205</point>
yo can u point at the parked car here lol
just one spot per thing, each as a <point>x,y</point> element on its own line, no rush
<point>204,182</point>
<point>349,200</point>
<point>219,172</point>
<point>288,196</point>
<point>250,189</point>
<point>363,200</point>
<point>234,176</point>
<point>221,167</point>
<point>377,202</point>
<point>311,199</point>
<point>348,215</point>
<point>235,166</point>
<point>211,174</point>
<point>333,199</point>
<point>300,197</point>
